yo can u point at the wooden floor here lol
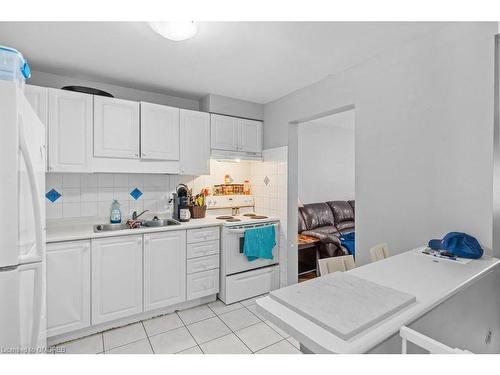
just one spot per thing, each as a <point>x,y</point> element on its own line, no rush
<point>307,276</point>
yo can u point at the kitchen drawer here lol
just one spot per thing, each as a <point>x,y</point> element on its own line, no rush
<point>250,284</point>
<point>202,284</point>
<point>202,234</point>
<point>203,264</point>
<point>197,250</point>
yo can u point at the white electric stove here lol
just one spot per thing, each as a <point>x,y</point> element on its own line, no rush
<point>241,278</point>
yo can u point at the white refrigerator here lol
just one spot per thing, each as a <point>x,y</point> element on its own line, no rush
<point>22,224</point>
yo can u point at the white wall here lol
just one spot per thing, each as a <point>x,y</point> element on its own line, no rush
<point>58,81</point>
<point>326,158</point>
<point>424,130</point>
<point>232,107</point>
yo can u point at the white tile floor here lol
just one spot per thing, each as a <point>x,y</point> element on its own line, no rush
<point>214,328</point>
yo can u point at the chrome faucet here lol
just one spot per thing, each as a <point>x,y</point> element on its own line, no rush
<point>135,216</point>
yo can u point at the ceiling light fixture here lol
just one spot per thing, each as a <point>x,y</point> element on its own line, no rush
<point>175,31</point>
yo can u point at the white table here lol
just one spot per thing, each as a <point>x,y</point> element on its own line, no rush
<point>430,280</point>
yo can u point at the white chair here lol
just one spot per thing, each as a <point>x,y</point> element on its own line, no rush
<point>425,342</point>
<point>379,252</point>
<point>335,264</point>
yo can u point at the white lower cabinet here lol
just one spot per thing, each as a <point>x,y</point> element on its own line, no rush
<point>101,280</point>
<point>116,278</point>
<point>164,269</point>
<point>68,286</point>
<point>202,284</point>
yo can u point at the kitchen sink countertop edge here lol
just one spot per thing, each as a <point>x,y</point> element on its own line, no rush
<point>59,230</point>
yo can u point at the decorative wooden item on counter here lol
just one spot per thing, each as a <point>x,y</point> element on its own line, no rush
<point>198,212</point>
<point>229,189</point>
<point>198,207</point>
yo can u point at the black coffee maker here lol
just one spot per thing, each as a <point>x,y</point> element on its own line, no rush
<point>181,203</point>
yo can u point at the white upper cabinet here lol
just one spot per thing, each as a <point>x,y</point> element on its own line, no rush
<point>194,142</point>
<point>164,269</point>
<point>68,287</point>
<point>159,132</point>
<point>38,97</point>
<point>224,133</point>
<point>250,135</point>
<point>70,131</point>
<point>116,128</point>
<point>116,278</point>
<point>234,134</point>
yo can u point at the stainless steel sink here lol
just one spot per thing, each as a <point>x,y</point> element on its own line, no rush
<point>109,227</point>
<point>159,223</point>
<point>144,223</point>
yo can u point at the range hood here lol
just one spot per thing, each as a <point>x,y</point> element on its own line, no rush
<point>235,156</point>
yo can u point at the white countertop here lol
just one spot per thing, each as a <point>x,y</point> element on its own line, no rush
<point>83,228</point>
<point>430,280</point>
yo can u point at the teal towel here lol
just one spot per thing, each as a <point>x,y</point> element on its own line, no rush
<point>259,242</point>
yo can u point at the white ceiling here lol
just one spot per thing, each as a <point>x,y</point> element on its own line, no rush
<point>256,61</point>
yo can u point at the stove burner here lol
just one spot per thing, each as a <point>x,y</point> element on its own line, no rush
<point>233,220</point>
<point>259,217</point>
<point>250,214</point>
<point>224,217</point>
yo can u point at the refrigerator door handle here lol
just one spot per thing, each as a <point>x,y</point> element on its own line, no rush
<point>35,254</point>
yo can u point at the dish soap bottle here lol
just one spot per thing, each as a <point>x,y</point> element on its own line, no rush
<point>116,214</point>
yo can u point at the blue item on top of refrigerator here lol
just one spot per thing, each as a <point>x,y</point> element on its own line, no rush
<point>13,66</point>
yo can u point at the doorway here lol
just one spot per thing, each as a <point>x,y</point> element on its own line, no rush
<point>325,172</point>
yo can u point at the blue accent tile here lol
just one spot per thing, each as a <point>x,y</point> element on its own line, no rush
<point>53,195</point>
<point>136,193</point>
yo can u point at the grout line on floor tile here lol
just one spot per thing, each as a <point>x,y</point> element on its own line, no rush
<point>185,325</point>
<point>265,322</point>
<point>151,345</point>
<point>234,333</point>
<point>272,345</point>
<point>196,341</point>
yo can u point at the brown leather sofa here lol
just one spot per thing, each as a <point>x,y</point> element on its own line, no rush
<point>327,221</point>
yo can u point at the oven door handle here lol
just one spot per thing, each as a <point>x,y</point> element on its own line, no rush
<point>242,231</point>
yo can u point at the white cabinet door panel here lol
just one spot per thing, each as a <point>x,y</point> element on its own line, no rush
<point>159,132</point>
<point>38,97</point>
<point>224,133</point>
<point>116,278</point>
<point>116,128</point>
<point>195,142</point>
<point>250,136</point>
<point>68,286</point>
<point>164,269</point>
<point>202,284</point>
<point>70,131</point>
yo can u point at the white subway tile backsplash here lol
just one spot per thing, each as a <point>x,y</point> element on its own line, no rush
<point>71,180</point>
<point>105,180</point>
<point>105,194</point>
<point>121,193</point>
<point>54,180</point>
<point>89,209</point>
<point>136,181</point>
<point>71,210</point>
<point>89,194</point>
<point>70,195</point>
<point>120,180</point>
<point>54,210</point>
<point>92,194</point>
<point>88,180</point>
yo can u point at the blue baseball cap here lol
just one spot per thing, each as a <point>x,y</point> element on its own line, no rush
<point>460,244</point>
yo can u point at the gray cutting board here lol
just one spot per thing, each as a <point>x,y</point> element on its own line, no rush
<point>343,304</point>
